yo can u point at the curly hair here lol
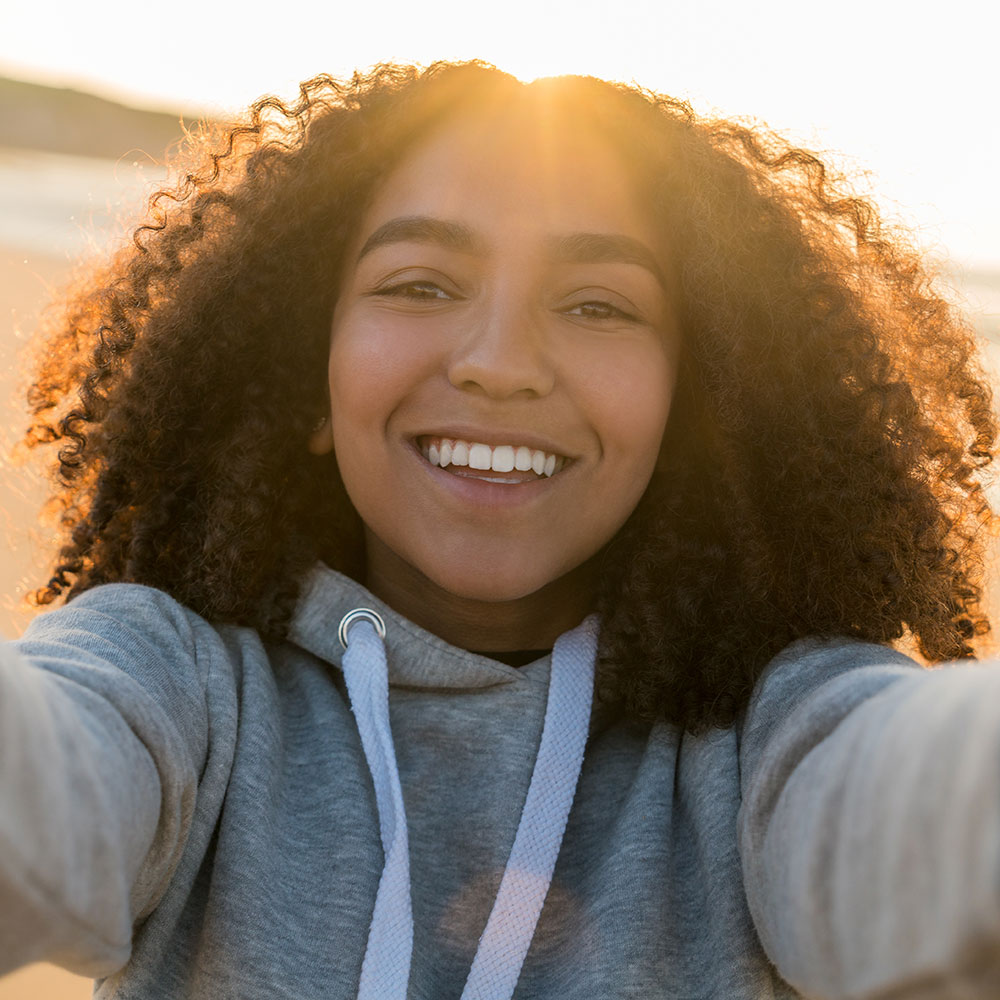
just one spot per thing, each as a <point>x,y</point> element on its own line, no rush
<point>820,470</point>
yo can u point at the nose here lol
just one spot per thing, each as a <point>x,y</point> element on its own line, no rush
<point>503,355</point>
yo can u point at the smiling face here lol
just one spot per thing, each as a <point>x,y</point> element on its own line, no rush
<point>502,361</point>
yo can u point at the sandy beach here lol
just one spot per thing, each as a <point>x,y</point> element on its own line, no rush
<point>26,284</point>
<point>27,280</point>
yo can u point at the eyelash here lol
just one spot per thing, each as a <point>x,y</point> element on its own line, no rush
<point>613,311</point>
<point>404,287</point>
<point>405,290</point>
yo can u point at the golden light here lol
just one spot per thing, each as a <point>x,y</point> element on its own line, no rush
<point>909,98</point>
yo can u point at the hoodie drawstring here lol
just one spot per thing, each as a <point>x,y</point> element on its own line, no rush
<point>386,968</point>
<point>505,940</point>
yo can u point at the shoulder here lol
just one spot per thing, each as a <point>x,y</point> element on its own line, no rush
<point>133,619</point>
<point>134,615</point>
<point>810,686</point>
<point>807,665</point>
<point>122,631</point>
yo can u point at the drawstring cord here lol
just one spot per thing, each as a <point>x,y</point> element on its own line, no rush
<point>385,971</point>
<point>511,925</point>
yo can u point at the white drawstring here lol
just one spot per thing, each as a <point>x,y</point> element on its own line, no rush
<point>505,940</point>
<point>385,971</point>
<point>526,879</point>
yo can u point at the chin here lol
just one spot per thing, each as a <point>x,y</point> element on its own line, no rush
<point>492,586</point>
<point>488,591</point>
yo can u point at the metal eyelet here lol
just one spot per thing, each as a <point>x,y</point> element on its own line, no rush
<point>359,614</point>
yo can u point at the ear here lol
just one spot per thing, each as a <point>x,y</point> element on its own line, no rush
<point>321,439</point>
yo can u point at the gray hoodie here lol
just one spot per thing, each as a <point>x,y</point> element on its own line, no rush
<point>187,811</point>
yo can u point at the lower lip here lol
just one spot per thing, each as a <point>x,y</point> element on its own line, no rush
<point>483,493</point>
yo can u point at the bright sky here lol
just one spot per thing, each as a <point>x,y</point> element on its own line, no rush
<point>905,90</point>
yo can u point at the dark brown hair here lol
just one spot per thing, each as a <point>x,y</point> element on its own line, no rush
<point>819,472</point>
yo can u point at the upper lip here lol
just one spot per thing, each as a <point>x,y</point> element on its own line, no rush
<point>496,436</point>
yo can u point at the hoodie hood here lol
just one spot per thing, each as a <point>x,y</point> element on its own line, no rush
<point>416,658</point>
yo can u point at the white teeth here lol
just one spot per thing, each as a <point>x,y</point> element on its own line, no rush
<point>480,456</point>
<point>503,458</point>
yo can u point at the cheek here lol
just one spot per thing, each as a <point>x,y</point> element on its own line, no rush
<point>631,402</point>
<point>364,357</point>
<point>372,368</point>
<point>363,382</point>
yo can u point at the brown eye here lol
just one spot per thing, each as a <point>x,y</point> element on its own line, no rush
<point>417,291</point>
<point>597,309</point>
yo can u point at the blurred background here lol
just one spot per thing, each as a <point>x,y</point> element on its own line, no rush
<point>93,97</point>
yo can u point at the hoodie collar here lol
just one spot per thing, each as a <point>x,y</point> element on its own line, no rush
<point>416,658</point>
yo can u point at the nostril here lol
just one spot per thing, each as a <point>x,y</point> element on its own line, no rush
<point>499,371</point>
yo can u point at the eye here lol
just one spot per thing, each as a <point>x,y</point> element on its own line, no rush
<point>599,309</point>
<point>415,291</point>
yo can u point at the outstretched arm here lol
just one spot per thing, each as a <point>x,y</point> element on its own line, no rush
<point>100,753</point>
<point>870,826</point>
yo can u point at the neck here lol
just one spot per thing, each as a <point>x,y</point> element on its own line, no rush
<point>533,621</point>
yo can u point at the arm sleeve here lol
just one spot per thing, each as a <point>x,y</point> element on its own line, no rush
<point>870,824</point>
<point>103,733</point>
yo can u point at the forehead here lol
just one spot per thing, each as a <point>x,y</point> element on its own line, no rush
<point>515,174</point>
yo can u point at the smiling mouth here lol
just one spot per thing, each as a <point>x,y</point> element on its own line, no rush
<point>506,463</point>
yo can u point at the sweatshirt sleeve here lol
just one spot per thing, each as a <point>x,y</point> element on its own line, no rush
<point>103,732</point>
<point>870,824</point>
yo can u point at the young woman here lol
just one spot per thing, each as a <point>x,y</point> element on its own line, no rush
<point>486,505</point>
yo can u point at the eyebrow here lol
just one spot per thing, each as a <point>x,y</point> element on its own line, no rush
<point>573,248</point>
<point>424,229</point>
